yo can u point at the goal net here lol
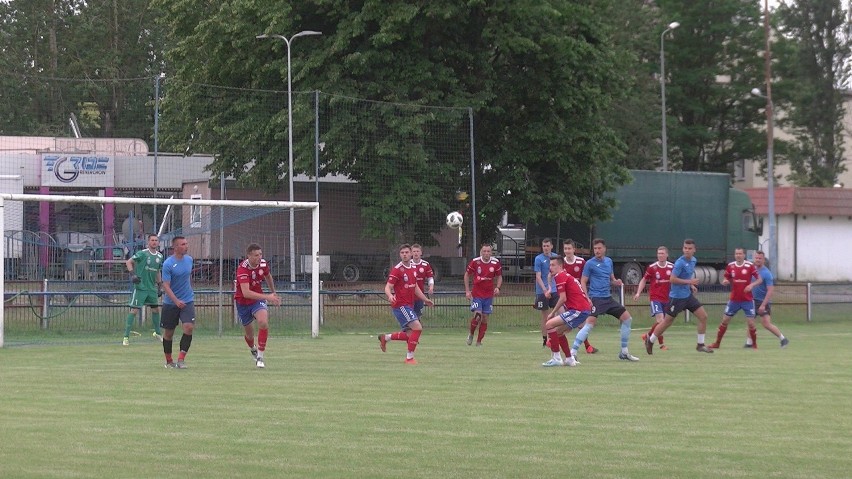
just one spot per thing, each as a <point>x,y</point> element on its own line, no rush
<point>63,272</point>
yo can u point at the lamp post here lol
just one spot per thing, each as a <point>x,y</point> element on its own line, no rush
<point>287,41</point>
<point>770,176</point>
<point>664,139</point>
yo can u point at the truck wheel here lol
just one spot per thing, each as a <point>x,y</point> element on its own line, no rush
<point>631,273</point>
<point>350,272</point>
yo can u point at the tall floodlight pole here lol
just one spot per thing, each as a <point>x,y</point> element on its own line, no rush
<point>770,141</point>
<point>287,41</point>
<point>770,183</point>
<point>664,138</point>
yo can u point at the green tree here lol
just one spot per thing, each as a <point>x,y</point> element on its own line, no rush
<point>539,76</point>
<point>634,114</point>
<point>813,47</point>
<point>97,60</point>
<point>712,123</point>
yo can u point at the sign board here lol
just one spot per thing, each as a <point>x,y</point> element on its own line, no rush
<point>74,170</point>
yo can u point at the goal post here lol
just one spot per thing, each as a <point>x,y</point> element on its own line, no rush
<point>51,237</point>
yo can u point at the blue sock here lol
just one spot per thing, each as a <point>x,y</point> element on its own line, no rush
<point>581,336</point>
<point>625,331</point>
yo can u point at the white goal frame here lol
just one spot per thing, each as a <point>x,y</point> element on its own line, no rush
<point>315,242</point>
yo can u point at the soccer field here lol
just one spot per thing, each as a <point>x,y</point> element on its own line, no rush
<point>338,407</point>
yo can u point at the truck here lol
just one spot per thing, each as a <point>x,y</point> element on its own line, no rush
<point>655,209</point>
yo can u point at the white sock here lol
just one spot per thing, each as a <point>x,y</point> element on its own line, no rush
<point>387,337</point>
<point>557,356</point>
<point>781,337</point>
<point>409,355</point>
<point>260,354</point>
<point>573,352</point>
<point>700,339</point>
<point>748,340</point>
<point>624,351</point>
<point>652,338</point>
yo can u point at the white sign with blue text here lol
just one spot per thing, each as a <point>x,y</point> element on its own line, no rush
<point>76,170</point>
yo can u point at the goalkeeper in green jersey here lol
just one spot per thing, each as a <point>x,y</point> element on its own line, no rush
<point>144,268</point>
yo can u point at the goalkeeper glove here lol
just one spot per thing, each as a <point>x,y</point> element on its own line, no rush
<point>135,279</point>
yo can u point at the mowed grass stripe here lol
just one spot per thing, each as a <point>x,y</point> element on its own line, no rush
<point>339,407</point>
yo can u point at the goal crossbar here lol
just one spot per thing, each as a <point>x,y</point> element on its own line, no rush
<point>313,206</point>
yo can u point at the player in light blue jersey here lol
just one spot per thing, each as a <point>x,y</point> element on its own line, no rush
<point>762,298</point>
<point>545,287</point>
<point>681,297</point>
<point>178,306</point>
<point>597,279</point>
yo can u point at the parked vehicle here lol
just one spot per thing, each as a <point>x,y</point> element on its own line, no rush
<point>655,209</point>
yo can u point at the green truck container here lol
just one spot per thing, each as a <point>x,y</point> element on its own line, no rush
<point>657,209</point>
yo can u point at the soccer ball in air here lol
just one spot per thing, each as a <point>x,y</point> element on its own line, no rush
<point>454,220</point>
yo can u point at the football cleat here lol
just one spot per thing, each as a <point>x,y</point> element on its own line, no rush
<point>784,343</point>
<point>180,365</point>
<point>591,350</point>
<point>571,362</point>
<point>627,357</point>
<point>469,339</point>
<point>125,341</point>
<point>170,365</point>
<point>158,337</point>
<point>714,346</point>
<point>552,362</point>
<point>703,349</point>
<point>260,363</point>
<point>254,354</point>
<point>649,346</point>
<point>663,347</point>
<point>411,361</point>
<point>383,343</point>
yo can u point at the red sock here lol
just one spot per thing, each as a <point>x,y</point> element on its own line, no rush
<point>566,348</point>
<point>249,341</point>
<point>722,329</point>
<point>412,340</point>
<point>482,328</point>
<point>586,343</point>
<point>399,336</point>
<point>554,340</point>
<point>169,358</point>
<point>262,334</point>
<point>474,322</point>
<point>181,355</point>
<point>653,327</point>
<point>660,340</point>
<point>753,333</point>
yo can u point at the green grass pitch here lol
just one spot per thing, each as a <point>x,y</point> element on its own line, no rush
<point>337,407</point>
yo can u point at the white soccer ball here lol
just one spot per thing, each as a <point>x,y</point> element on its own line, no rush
<point>455,220</point>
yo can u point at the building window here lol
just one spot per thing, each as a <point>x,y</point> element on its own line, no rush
<point>195,213</point>
<point>739,170</point>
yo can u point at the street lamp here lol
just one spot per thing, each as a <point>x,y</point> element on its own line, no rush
<point>287,41</point>
<point>671,27</point>
<point>770,176</point>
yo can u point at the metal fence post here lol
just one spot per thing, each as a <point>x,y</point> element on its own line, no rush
<point>44,307</point>
<point>810,303</point>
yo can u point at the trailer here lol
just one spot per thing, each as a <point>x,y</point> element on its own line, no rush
<point>655,209</point>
